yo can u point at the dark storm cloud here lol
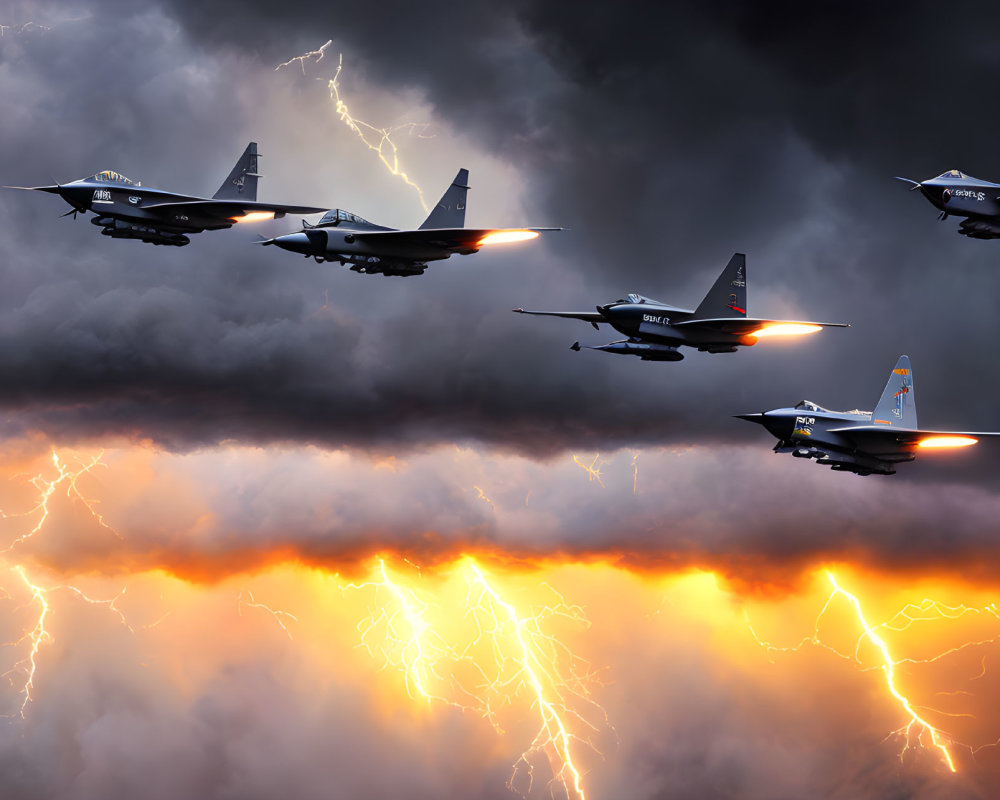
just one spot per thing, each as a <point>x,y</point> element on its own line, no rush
<point>756,522</point>
<point>664,137</point>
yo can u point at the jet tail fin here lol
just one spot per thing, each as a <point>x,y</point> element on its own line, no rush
<point>728,296</point>
<point>242,181</point>
<point>897,405</point>
<point>450,209</point>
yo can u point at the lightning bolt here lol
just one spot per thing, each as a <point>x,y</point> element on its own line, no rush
<point>25,27</point>
<point>302,59</point>
<point>534,666</point>
<point>47,488</point>
<point>593,470</point>
<point>398,634</point>
<point>279,616</point>
<point>503,655</point>
<point>482,496</point>
<point>39,634</point>
<point>917,726</point>
<point>889,667</point>
<point>635,472</point>
<point>378,140</point>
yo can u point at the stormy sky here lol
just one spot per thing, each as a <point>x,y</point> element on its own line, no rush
<point>664,141</point>
<point>261,408</point>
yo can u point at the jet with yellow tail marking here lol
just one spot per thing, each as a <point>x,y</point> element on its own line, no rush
<point>126,209</point>
<point>862,442</point>
<point>719,325</point>
<point>377,250</point>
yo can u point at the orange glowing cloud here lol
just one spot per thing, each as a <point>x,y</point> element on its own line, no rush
<point>556,672</point>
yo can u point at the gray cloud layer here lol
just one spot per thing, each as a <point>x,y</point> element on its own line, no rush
<point>664,138</point>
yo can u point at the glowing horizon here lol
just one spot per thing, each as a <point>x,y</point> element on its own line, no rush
<point>531,644</point>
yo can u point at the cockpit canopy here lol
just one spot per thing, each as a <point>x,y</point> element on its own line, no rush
<point>952,174</point>
<point>813,408</point>
<point>335,216</point>
<point>110,176</point>
<point>636,299</point>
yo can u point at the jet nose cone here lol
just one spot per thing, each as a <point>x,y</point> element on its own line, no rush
<point>758,418</point>
<point>913,184</point>
<point>293,242</point>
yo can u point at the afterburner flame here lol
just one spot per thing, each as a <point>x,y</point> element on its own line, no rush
<point>947,441</point>
<point>502,237</point>
<point>254,216</point>
<point>786,329</point>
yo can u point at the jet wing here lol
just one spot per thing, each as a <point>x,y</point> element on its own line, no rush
<point>593,317</point>
<point>460,240</point>
<point>873,438</point>
<point>741,326</point>
<point>229,208</point>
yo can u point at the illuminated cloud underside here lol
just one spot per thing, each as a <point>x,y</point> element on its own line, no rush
<point>503,647</point>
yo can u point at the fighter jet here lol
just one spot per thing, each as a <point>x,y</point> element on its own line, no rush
<point>125,209</point>
<point>719,325</point>
<point>862,442</point>
<point>960,195</point>
<point>374,249</point>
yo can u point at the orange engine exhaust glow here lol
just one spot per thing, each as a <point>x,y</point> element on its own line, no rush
<point>254,216</point>
<point>502,237</point>
<point>787,329</point>
<point>947,441</point>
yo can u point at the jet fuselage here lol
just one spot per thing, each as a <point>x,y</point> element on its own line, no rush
<point>124,201</point>
<point>655,322</point>
<point>804,427</point>
<point>127,210</point>
<point>809,431</point>
<point>954,193</point>
<point>334,239</point>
